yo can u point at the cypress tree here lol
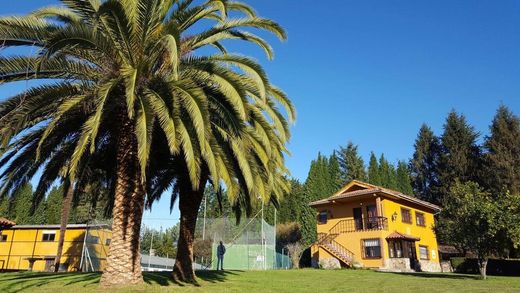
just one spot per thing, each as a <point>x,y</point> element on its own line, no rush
<point>403,178</point>
<point>387,173</point>
<point>321,182</point>
<point>335,181</point>
<point>502,158</point>
<point>351,163</point>
<point>460,157</point>
<point>22,203</point>
<point>4,207</point>
<point>423,165</point>
<point>291,205</point>
<point>374,176</point>
<point>53,203</point>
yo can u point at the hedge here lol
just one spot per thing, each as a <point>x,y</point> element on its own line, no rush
<point>495,267</point>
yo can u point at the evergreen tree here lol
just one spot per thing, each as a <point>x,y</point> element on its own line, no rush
<point>39,217</point>
<point>336,182</point>
<point>4,207</point>
<point>460,157</point>
<point>403,178</point>
<point>291,206</point>
<point>423,166</point>
<point>53,203</point>
<point>502,160</point>
<point>387,173</point>
<point>22,204</point>
<point>374,177</point>
<point>319,185</point>
<point>351,163</point>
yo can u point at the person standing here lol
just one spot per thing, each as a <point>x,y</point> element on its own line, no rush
<point>221,250</point>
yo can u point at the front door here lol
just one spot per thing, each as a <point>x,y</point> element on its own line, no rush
<point>358,218</point>
<point>410,247</point>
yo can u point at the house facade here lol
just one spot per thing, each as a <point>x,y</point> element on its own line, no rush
<point>377,228</point>
<point>33,247</point>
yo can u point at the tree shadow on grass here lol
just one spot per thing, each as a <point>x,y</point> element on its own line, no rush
<point>165,278</point>
<point>24,281</point>
<point>216,276</point>
<point>436,275</point>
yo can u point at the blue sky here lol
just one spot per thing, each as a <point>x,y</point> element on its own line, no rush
<point>374,71</point>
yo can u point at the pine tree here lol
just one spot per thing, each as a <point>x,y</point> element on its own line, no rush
<point>460,157</point>
<point>4,207</point>
<point>403,178</point>
<point>423,166</point>
<point>22,204</point>
<point>502,159</point>
<point>319,184</point>
<point>351,163</point>
<point>335,180</point>
<point>53,203</point>
<point>291,205</point>
<point>387,173</point>
<point>374,177</point>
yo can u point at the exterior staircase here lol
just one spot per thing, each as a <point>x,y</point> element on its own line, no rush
<point>327,242</point>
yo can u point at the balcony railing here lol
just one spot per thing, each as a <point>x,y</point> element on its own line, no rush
<point>357,225</point>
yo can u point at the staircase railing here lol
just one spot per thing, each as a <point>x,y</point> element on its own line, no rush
<point>356,225</point>
<point>343,251</point>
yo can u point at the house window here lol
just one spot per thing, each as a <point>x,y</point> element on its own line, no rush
<point>406,216</point>
<point>396,249</point>
<point>372,248</point>
<point>48,236</point>
<point>423,252</point>
<point>419,219</point>
<point>322,217</point>
<point>3,238</point>
<point>108,241</point>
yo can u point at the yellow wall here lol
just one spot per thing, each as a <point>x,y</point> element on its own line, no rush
<point>352,240</point>
<point>24,243</point>
<point>426,233</point>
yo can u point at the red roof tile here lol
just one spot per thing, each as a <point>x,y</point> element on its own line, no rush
<point>5,223</point>
<point>399,236</point>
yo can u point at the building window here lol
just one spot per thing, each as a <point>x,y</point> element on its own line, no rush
<point>322,217</point>
<point>108,241</point>
<point>3,238</point>
<point>372,248</point>
<point>406,216</point>
<point>423,252</point>
<point>396,249</point>
<point>48,236</point>
<point>419,219</point>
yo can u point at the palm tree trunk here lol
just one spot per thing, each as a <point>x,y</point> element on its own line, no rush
<point>124,257</point>
<point>189,205</point>
<point>65,210</point>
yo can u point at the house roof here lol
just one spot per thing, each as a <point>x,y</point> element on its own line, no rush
<point>5,223</point>
<point>358,188</point>
<point>400,236</point>
<point>69,226</point>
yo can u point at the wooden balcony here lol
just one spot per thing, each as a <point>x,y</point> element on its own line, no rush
<point>360,225</point>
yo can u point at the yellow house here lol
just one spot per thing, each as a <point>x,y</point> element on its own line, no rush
<point>33,247</point>
<point>377,228</point>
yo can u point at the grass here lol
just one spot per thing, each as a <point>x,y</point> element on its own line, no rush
<point>307,280</point>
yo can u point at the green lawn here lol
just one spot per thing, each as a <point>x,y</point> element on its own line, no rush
<point>307,280</point>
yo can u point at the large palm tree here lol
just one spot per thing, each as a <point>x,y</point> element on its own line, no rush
<point>248,162</point>
<point>126,72</point>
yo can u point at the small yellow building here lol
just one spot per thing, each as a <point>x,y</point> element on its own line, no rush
<point>26,247</point>
<point>377,228</point>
